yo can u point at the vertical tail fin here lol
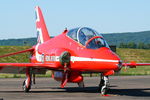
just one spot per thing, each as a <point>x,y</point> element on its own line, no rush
<point>42,32</point>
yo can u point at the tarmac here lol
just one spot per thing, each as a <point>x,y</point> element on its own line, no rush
<point>121,88</point>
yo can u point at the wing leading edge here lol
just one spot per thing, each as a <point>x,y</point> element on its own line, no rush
<point>15,53</point>
<point>134,64</point>
<point>35,65</point>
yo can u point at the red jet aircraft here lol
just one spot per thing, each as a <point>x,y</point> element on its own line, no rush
<point>68,55</point>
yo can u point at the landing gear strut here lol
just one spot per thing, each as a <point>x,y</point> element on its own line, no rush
<point>81,84</point>
<point>27,83</point>
<point>104,85</point>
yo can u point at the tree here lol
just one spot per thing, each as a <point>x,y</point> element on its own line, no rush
<point>141,45</point>
<point>132,45</point>
<point>123,45</point>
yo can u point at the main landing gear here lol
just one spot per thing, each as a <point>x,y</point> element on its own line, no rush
<point>27,83</point>
<point>81,84</point>
<point>104,85</point>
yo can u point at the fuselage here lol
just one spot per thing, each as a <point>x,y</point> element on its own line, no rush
<point>101,59</point>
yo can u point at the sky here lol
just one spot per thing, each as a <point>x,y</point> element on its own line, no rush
<point>17,17</point>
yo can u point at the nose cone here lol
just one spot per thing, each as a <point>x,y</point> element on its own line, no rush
<point>110,60</point>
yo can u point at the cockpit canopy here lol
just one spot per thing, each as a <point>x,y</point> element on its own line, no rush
<point>87,37</point>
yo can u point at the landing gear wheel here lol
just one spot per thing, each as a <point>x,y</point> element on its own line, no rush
<point>81,84</point>
<point>25,88</point>
<point>104,90</point>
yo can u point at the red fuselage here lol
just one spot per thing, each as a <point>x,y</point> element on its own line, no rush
<point>82,58</point>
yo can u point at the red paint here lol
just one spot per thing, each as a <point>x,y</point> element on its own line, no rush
<point>106,95</point>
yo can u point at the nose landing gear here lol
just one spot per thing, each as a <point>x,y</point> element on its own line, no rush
<point>104,85</point>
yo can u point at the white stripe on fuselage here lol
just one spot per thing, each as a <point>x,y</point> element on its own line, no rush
<point>37,55</point>
<point>39,58</point>
<point>73,59</point>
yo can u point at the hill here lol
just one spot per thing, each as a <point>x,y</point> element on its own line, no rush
<point>18,42</point>
<point>112,39</point>
<point>136,37</point>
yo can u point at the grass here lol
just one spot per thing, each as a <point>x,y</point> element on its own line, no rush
<point>127,55</point>
<point>138,55</point>
<point>140,70</point>
<point>2,75</point>
<point>16,58</point>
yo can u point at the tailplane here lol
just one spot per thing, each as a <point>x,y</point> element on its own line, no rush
<point>42,32</point>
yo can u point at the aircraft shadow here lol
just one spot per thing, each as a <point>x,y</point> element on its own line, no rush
<point>139,92</point>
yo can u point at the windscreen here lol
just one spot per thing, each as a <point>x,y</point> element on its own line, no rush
<point>87,37</point>
<point>90,38</point>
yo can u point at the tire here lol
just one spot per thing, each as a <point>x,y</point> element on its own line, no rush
<point>104,91</point>
<point>24,87</point>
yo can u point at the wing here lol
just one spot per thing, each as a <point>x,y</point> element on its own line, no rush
<point>35,65</point>
<point>134,64</point>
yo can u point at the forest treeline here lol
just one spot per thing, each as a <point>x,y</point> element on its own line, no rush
<point>140,40</point>
<point>133,45</point>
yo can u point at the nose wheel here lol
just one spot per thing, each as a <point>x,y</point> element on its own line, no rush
<point>104,85</point>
